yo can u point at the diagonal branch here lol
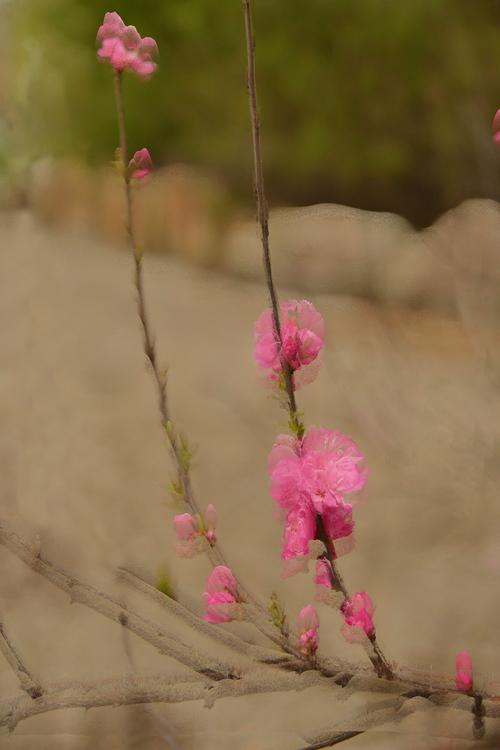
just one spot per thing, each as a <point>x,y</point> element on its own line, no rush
<point>213,550</point>
<point>226,638</point>
<point>28,683</point>
<point>113,610</point>
<point>335,739</point>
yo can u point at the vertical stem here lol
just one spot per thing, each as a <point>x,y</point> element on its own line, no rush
<point>262,208</point>
<point>380,663</point>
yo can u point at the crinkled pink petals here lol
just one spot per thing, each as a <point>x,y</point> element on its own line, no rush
<point>299,531</point>
<point>124,49</point>
<point>463,675</point>
<point>141,164</point>
<point>222,601</point>
<point>308,622</point>
<point>302,335</point>
<point>496,128</point>
<point>358,622</point>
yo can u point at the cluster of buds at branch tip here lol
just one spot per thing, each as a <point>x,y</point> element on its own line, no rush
<point>123,48</point>
<point>194,531</point>
<point>223,602</point>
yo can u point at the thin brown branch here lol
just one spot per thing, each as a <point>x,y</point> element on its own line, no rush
<point>114,610</point>
<point>28,683</point>
<point>375,654</point>
<point>213,551</point>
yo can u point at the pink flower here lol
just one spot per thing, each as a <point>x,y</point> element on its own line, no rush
<point>324,574</point>
<point>312,477</point>
<point>302,335</point>
<point>358,622</point>
<point>463,676</point>
<point>193,530</point>
<point>141,164</point>
<point>299,530</point>
<point>308,621</point>
<point>220,607</point>
<point>124,48</point>
<point>496,127</point>
<point>222,579</point>
<point>222,602</point>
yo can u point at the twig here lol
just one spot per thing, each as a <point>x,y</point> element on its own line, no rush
<point>213,550</point>
<point>28,683</point>
<point>112,609</point>
<point>376,656</point>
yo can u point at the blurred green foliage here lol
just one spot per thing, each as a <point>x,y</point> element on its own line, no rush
<point>375,103</point>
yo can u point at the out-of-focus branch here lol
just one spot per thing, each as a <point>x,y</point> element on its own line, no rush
<point>28,683</point>
<point>222,636</point>
<point>167,688</point>
<point>113,610</point>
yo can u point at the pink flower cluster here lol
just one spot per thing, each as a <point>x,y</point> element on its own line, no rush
<point>124,48</point>
<point>463,676</point>
<point>302,335</point>
<point>308,621</point>
<point>358,622</point>
<point>192,531</point>
<point>221,597</point>
<point>309,478</point>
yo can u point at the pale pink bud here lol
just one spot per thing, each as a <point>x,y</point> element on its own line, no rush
<point>308,622</point>
<point>222,579</point>
<point>185,526</point>
<point>210,523</point>
<point>221,606</point>
<point>324,574</point>
<point>358,610</point>
<point>463,676</point>
<point>111,26</point>
<point>141,164</point>
<point>496,128</point>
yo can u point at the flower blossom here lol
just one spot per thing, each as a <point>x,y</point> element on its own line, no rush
<point>222,600</point>
<point>312,477</point>
<point>496,128</point>
<point>192,531</point>
<point>302,336</point>
<point>308,621</point>
<point>463,675</point>
<point>140,164</point>
<point>358,623</point>
<point>124,48</point>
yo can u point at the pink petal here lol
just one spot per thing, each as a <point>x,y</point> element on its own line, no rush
<point>222,579</point>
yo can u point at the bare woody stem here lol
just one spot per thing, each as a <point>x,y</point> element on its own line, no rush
<point>263,211</point>
<point>380,663</point>
<point>28,683</point>
<point>214,551</point>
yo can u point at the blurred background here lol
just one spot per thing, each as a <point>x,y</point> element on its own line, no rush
<point>383,185</point>
<point>379,105</point>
